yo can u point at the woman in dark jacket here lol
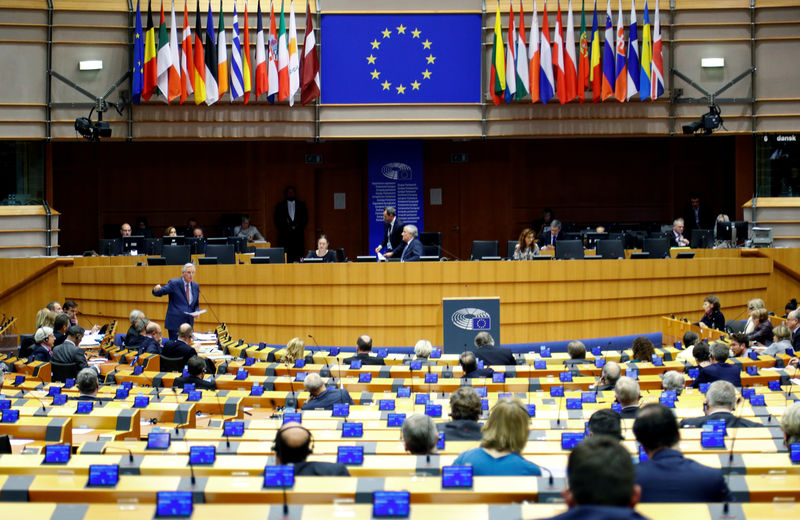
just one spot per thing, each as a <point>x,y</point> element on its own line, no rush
<point>713,317</point>
<point>762,334</point>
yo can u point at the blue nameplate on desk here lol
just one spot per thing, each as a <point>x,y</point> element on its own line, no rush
<point>365,378</point>
<point>574,404</point>
<point>499,377</point>
<point>158,440</point>
<point>436,354</point>
<point>141,401</point>
<point>202,454</point>
<point>431,378</point>
<point>382,352</point>
<point>704,387</point>
<point>334,351</point>
<point>71,381</point>
<point>540,364</point>
<point>658,361</point>
<point>531,409</point>
<point>233,428</point>
<point>352,429</point>
<point>85,407</point>
<point>137,370</point>
<point>194,396</point>
<point>599,362</point>
<point>482,391</point>
<point>57,453</point>
<point>433,410</point>
<point>565,377</point>
<point>596,351</point>
<point>712,439</point>
<point>544,352</point>
<point>774,385</point>
<point>570,439</point>
<point>355,364</point>
<point>292,417</point>
<point>241,374</point>
<point>667,401</point>
<point>440,441</point>
<point>752,370</point>
<point>484,404</point>
<point>257,390</point>
<point>556,391</point>
<point>716,426</point>
<point>174,504</point>
<point>616,407</point>
<point>694,372</point>
<point>299,363</point>
<point>757,400</point>
<point>794,452</point>
<point>350,455</point>
<point>104,475</point>
<point>421,398</point>
<point>385,404</point>
<point>588,397</point>
<point>632,373</point>
<point>278,476</point>
<point>188,387</point>
<point>747,393</point>
<point>753,355</point>
<point>249,361</point>
<point>53,391</point>
<point>395,419</point>
<point>122,393</point>
<point>5,404</point>
<point>301,376</point>
<point>341,410</point>
<point>403,391</point>
<point>415,365</point>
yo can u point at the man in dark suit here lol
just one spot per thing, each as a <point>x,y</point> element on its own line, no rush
<point>293,446</point>
<point>601,482</point>
<point>323,398</point>
<point>392,231</point>
<point>608,377</point>
<point>668,476</point>
<point>363,348</point>
<point>627,394</point>
<point>696,215</point>
<point>469,364</point>
<point>87,384</point>
<point>132,342</point>
<point>490,354</point>
<point>411,248</point>
<point>43,345</point>
<point>196,368</point>
<point>69,351</point>
<point>291,218</point>
<point>134,316</point>
<point>151,342</point>
<point>549,237</point>
<point>793,322</point>
<point>184,298</point>
<point>577,356</point>
<point>719,369</point>
<point>180,347</point>
<point>676,238</point>
<point>60,325</point>
<point>465,410</point>
<point>720,402</point>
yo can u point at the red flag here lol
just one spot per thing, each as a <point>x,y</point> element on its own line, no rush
<point>150,65</point>
<point>558,59</point>
<point>583,58</point>
<point>262,84</point>
<point>187,57</point>
<point>309,65</point>
<point>199,61</point>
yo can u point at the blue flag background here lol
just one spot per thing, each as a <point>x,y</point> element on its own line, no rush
<point>401,58</point>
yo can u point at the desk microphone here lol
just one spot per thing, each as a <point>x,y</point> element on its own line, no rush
<point>726,505</point>
<point>153,385</point>
<point>791,383</point>
<point>118,448</point>
<point>550,476</point>
<point>222,416</point>
<point>44,407</point>
<point>86,318</point>
<point>560,402</point>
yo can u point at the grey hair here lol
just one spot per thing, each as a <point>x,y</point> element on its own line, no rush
<point>423,348</point>
<point>555,224</point>
<point>419,434</point>
<point>312,382</point>
<point>612,371</point>
<point>390,210</point>
<point>86,381</point>
<point>187,266</point>
<point>42,334</point>
<point>677,221</point>
<point>790,422</point>
<point>626,390</point>
<point>720,352</point>
<point>135,315</point>
<point>411,228</point>
<point>721,394</point>
<point>673,380</point>
<point>484,339</point>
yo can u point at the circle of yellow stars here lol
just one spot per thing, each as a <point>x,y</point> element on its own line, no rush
<point>400,30</point>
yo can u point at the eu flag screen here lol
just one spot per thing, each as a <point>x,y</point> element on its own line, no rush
<point>401,58</point>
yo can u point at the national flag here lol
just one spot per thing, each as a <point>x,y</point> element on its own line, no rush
<point>237,78</point>
<point>272,58</point>
<point>138,58</point>
<point>222,54</point>
<point>175,68</point>
<point>199,60</point>
<point>309,66</point>
<point>546,81</point>
<point>247,74</point>
<point>164,58</point>
<point>621,74</point>
<point>150,66</point>
<point>211,63</point>
<point>633,54</point>
<point>570,62</point>
<point>595,74</point>
<point>511,71</point>
<point>644,70</point>
<point>609,56</point>
<point>497,75</point>
<point>657,70</point>
<point>187,57</point>
<point>558,59</point>
<point>261,58</point>
<point>283,59</point>
<point>521,54</point>
<point>583,58</point>
<point>294,56</point>
<point>534,56</point>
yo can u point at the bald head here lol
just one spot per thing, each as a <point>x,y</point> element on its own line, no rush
<point>292,443</point>
<point>294,437</point>
<point>364,344</point>
<point>185,332</point>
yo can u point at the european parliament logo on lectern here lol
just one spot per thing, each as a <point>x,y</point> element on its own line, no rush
<point>463,318</point>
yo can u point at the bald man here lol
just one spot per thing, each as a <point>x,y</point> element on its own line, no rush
<point>293,446</point>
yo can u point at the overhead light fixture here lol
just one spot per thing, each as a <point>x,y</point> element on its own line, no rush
<point>90,65</point>
<point>712,63</point>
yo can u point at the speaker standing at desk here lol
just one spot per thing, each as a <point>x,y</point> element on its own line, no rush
<point>184,296</point>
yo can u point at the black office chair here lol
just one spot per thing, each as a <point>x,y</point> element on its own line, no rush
<point>569,249</point>
<point>63,371</point>
<point>431,238</point>
<point>5,445</point>
<point>431,250</point>
<point>172,364</point>
<point>152,246</point>
<point>483,248</point>
<point>225,254</point>
<point>657,247</point>
<point>276,255</point>
<point>512,245</point>
<point>610,249</point>
<point>177,255</point>
<point>340,256</point>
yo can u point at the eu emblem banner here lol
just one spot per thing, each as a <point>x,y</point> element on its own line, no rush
<point>401,58</point>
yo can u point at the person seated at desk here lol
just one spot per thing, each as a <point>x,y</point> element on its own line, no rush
<point>740,344</point>
<point>247,231</point>
<point>323,398</point>
<point>686,356</point>
<point>790,424</point>
<point>577,356</point>
<point>363,348</point>
<point>793,322</point>
<point>196,366</point>
<point>505,435</point>
<point>328,256</point>
<point>762,331</point>
<point>43,348</point>
<point>419,434</point>
<point>526,248</point>
<point>674,381</point>
<point>294,351</point>
<point>600,476</point>
<point>549,237</point>
<point>180,348</point>
<point>465,410</point>
<point>134,342</point>
<point>668,476</point>
<point>469,365</point>
<point>702,354</point>
<point>69,351</point>
<point>606,422</point>
<point>642,351</point>
<point>133,317</point>
<point>608,377</point>
<point>87,384</point>
<point>60,327</point>
<point>719,369</point>
<point>676,238</point>
<point>627,394</point>
<point>410,249</point>
<point>170,231</point>
<point>719,405</point>
<point>293,446</point>
<point>712,317</point>
<point>782,341</point>
<point>489,353</point>
<point>151,341</point>
<point>422,353</point>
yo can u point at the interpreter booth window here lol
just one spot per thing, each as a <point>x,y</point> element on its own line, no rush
<point>22,177</point>
<point>778,165</point>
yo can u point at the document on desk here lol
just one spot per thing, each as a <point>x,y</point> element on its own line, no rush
<point>195,313</point>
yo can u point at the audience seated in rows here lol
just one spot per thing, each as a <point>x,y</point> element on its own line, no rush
<point>363,349</point>
<point>181,348</point>
<point>151,342</point>
<point>674,381</point>
<point>667,476</point>
<point>642,350</point>
<point>292,445</point>
<point>87,384</point>
<point>323,398</point>
<point>740,345</point>
<point>134,341</point>
<point>295,349</point>
<point>577,356</point>
<point>469,364</point>
<point>134,316</point>
<point>505,434</point>
<point>422,353</point>
<point>762,331</point>
<point>608,377</point>
<point>196,366</point>
<point>43,345</point>
<point>719,369</point>
<point>721,400</point>
<point>60,326</point>
<point>465,410</point>
<point>419,434</point>
<point>686,356</point>
<point>627,394</point>
<point>782,341</point>
<point>491,354</point>
<point>69,351</point>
